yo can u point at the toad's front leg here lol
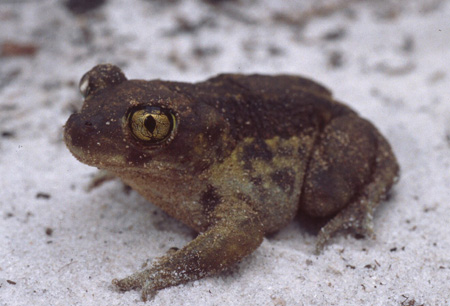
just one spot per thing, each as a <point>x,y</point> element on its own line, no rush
<point>236,232</point>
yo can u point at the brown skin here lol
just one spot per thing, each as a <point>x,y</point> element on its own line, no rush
<point>234,157</point>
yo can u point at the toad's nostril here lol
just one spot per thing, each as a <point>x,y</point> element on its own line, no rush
<point>88,123</point>
<point>79,131</point>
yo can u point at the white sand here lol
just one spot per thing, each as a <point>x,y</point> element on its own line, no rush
<point>395,72</point>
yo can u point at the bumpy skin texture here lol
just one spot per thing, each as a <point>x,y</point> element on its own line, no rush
<point>243,155</point>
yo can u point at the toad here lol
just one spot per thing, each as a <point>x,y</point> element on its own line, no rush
<point>235,157</point>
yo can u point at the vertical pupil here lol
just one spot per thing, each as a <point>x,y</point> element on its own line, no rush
<point>150,123</point>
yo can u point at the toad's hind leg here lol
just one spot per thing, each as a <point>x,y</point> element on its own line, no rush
<point>351,170</point>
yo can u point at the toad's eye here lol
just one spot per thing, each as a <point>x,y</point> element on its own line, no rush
<point>152,125</point>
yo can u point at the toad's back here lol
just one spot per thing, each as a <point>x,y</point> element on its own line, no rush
<point>266,106</point>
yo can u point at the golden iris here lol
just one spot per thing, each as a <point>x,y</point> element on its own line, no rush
<point>153,125</point>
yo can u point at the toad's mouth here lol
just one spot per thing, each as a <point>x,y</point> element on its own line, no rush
<point>93,156</point>
<point>119,166</point>
<point>96,141</point>
<point>99,142</point>
<point>109,153</point>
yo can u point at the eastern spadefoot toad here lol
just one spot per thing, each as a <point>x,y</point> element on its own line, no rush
<point>235,157</point>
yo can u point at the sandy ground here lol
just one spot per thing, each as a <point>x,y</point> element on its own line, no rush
<point>60,245</point>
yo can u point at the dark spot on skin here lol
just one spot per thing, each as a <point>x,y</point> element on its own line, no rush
<point>285,179</point>
<point>258,149</point>
<point>243,197</point>
<point>210,199</point>
<point>257,181</point>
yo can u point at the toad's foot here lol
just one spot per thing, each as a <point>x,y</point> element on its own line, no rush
<point>138,280</point>
<point>357,217</point>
